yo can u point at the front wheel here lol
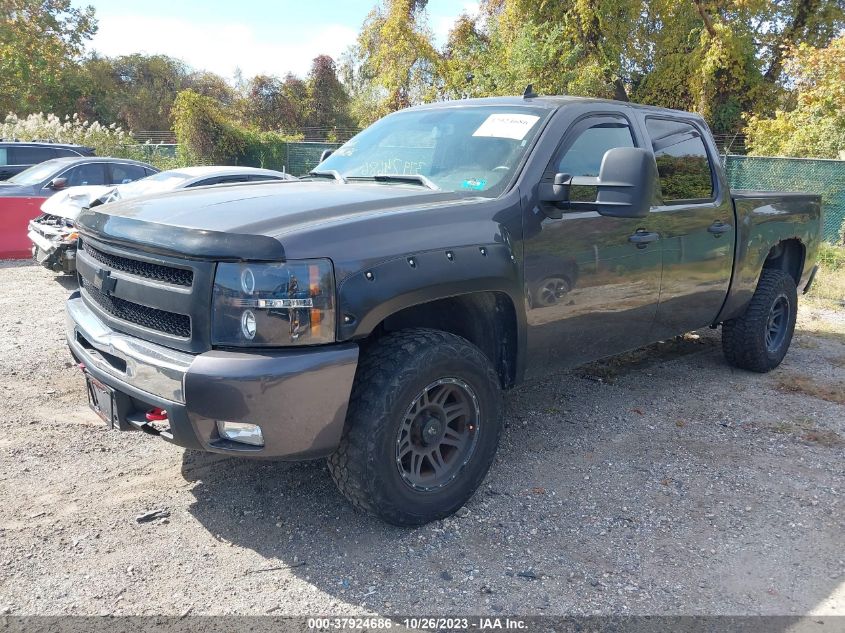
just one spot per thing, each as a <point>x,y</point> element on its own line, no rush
<point>760,338</point>
<point>422,428</point>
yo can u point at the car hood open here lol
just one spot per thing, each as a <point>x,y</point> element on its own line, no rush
<point>70,202</point>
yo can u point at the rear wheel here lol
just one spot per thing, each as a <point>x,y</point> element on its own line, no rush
<point>760,338</point>
<point>422,428</point>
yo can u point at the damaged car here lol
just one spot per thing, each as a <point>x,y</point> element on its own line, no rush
<point>22,195</point>
<point>53,233</point>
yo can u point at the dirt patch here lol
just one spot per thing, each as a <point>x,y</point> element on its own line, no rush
<point>796,383</point>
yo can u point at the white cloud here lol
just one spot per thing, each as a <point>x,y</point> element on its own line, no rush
<point>219,46</point>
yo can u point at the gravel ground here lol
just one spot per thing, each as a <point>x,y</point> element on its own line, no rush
<point>661,482</point>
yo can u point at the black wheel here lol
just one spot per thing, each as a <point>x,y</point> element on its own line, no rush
<point>550,291</point>
<point>760,338</point>
<point>422,428</point>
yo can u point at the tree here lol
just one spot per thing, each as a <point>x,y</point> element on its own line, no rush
<point>41,42</point>
<point>264,103</point>
<point>815,127</point>
<point>328,103</point>
<point>394,61</point>
<point>211,85</point>
<point>718,57</point>
<point>273,104</point>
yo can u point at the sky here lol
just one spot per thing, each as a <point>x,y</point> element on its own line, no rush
<point>255,36</point>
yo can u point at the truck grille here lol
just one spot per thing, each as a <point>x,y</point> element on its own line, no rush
<point>152,318</point>
<point>167,274</point>
<point>158,298</point>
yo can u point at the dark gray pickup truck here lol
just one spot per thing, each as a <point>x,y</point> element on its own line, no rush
<point>374,312</point>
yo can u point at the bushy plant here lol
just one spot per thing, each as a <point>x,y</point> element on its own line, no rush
<point>207,136</point>
<point>106,140</point>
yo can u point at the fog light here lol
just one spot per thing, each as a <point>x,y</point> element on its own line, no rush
<point>241,432</point>
<point>248,325</point>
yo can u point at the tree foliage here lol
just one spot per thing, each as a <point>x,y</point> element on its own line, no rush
<point>773,65</point>
<point>815,127</point>
<point>718,57</point>
<point>41,42</point>
<point>208,135</point>
<point>394,64</point>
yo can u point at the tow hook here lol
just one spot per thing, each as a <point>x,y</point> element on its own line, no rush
<point>145,424</point>
<point>156,414</point>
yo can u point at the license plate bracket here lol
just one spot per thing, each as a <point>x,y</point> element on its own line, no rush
<point>101,400</point>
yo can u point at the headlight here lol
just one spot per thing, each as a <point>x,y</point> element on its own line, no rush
<point>274,305</point>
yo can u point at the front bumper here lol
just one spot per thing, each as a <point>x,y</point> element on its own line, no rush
<point>58,256</point>
<point>298,396</point>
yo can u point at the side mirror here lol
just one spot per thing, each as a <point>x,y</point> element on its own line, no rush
<point>326,153</point>
<point>626,183</point>
<point>554,194</point>
<point>57,183</point>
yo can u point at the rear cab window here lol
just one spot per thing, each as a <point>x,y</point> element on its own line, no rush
<point>683,165</point>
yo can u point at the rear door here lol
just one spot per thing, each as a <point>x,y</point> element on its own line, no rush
<point>590,291</point>
<point>695,220</point>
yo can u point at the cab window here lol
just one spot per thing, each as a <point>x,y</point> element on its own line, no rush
<point>583,156</point>
<point>584,149</point>
<point>683,165</point>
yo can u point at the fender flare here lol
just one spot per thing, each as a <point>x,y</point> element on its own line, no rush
<point>371,295</point>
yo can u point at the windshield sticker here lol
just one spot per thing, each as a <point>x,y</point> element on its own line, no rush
<point>474,183</point>
<point>514,126</point>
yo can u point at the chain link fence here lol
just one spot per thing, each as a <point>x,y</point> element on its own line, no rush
<point>302,157</point>
<point>825,177</point>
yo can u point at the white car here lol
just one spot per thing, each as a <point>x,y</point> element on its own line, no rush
<point>53,235</point>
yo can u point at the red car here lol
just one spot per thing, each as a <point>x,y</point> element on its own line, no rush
<point>22,195</point>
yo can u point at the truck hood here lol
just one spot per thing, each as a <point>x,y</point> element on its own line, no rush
<point>69,202</point>
<point>246,221</point>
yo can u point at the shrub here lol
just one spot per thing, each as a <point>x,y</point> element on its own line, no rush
<point>207,136</point>
<point>832,258</point>
<point>106,140</point>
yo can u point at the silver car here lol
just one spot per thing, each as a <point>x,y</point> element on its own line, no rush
<point>53,235</point>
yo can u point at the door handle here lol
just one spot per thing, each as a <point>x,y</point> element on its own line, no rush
<point>718,228</point>
<point>643,238</point>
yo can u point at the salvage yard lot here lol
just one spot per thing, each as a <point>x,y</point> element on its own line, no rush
<point>658,482</point>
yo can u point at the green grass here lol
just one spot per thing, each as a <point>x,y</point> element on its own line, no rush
<point>829,285</point>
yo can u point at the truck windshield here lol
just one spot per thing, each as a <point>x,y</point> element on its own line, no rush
<point>461,148</point>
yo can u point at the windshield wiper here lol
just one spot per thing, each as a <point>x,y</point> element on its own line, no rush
<point>328,173</point>
<point>413,179</point>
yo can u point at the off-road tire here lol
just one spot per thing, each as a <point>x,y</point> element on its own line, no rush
<point>744,338</point>
<point>390,374</point>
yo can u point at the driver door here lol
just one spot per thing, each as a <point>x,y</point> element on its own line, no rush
<point>590,291</point>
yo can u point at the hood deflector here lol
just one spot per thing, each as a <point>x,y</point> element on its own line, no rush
<point>190,243</point>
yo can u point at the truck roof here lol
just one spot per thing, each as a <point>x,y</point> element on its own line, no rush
<point>552,102</point>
